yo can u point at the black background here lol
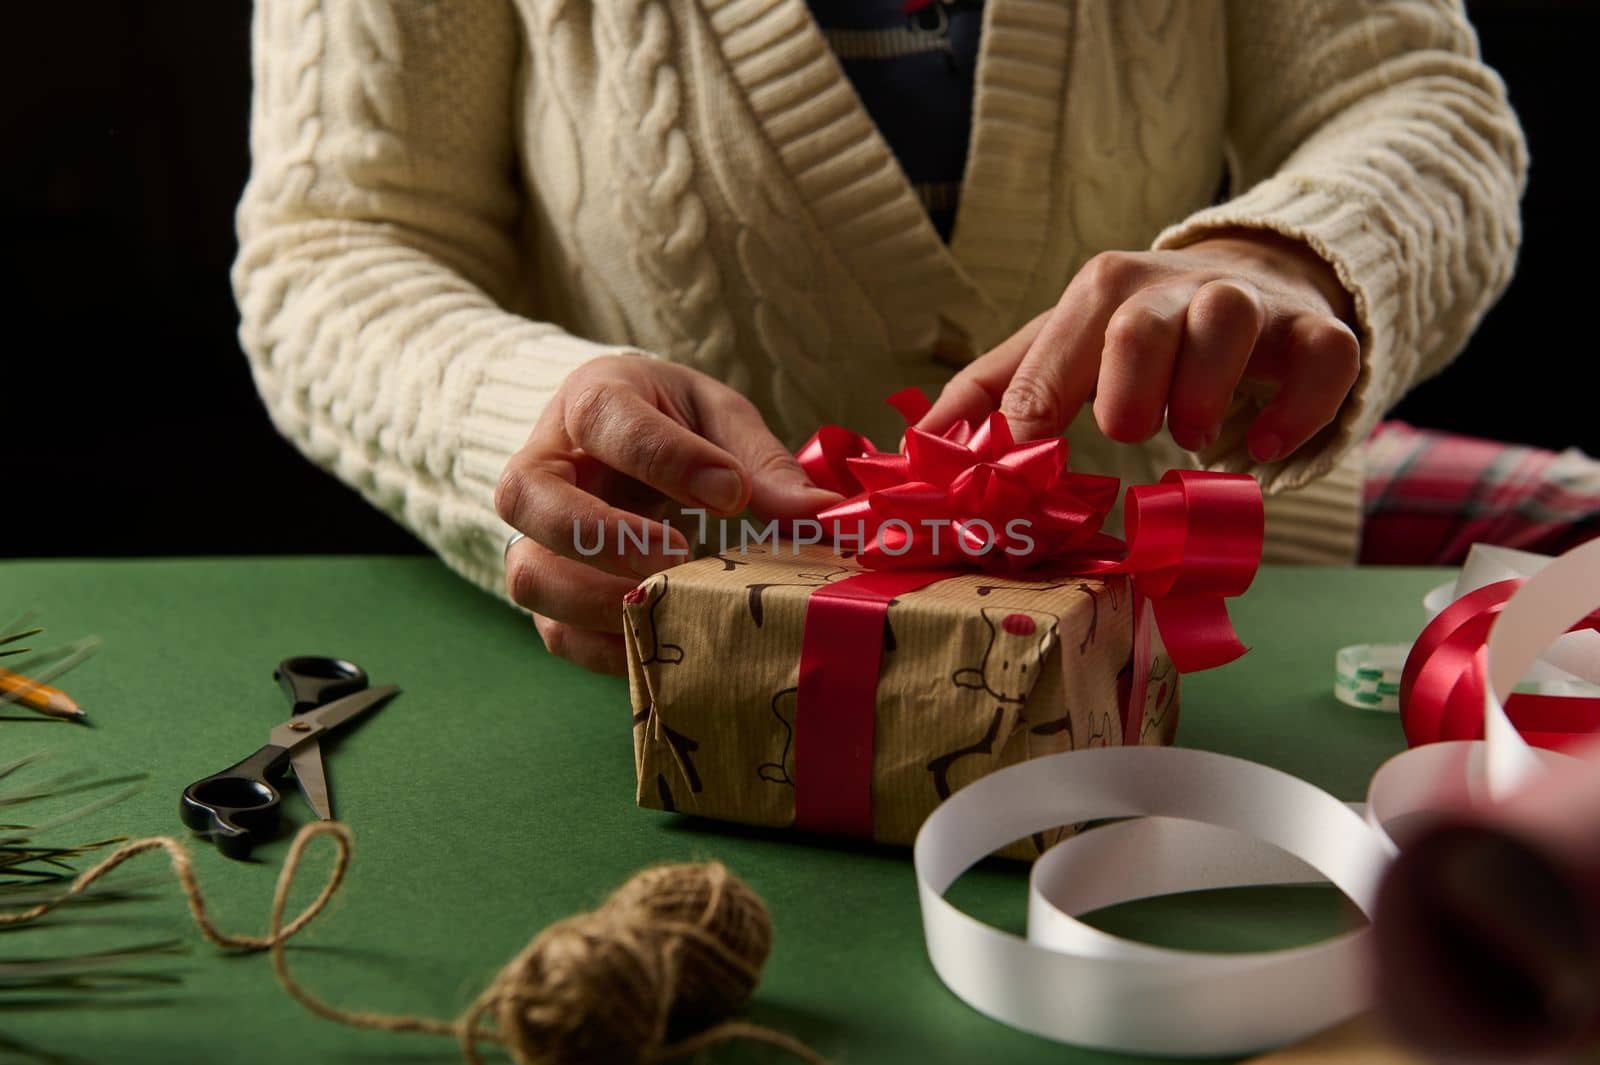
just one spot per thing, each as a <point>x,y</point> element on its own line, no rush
<point>128,422</point>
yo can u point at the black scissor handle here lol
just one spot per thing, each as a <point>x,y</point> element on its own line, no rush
<point>239,805</point>
<point>311,681</point>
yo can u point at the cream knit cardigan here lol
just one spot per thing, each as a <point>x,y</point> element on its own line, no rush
<point>456,202</point>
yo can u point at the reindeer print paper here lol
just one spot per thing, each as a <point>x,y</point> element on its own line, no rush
<point>977,672</point>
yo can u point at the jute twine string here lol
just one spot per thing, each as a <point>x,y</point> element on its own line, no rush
<point>676,948</point>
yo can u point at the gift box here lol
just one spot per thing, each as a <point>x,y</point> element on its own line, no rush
<point>981,619</point>
<point>975,671</point>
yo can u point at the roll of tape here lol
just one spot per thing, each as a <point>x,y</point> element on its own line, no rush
<point>1367,675</point>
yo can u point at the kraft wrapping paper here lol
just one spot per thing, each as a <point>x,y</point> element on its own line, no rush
<point>978,672</point>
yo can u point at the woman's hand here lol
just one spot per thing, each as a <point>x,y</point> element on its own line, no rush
<point>1171,335</point>
<point>623,440</point>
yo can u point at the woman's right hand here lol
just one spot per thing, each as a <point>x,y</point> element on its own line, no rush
<point>623,440</point>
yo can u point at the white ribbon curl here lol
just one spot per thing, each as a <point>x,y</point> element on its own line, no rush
<point>1206,820</point>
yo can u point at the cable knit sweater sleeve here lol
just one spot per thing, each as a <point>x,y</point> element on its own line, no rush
<point>377,255</point>
<point>1370,130</point>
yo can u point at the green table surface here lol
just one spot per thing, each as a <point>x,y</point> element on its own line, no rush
<point>496,795</point>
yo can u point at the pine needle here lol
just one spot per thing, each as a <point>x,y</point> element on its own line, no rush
<point>15,636</point>
<point>20,622</point>
<point>132,887</point>
<point>22,835</point>
<point>75,965</point>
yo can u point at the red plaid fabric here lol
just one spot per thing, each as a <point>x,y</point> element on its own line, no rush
<point>1431,495</point>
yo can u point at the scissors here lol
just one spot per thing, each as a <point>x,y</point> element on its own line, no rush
<point>239,806</point>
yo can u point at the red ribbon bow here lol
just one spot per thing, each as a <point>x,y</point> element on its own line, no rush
<point>1194,539</point>
<point>967,497</point>
<point>975,497</point>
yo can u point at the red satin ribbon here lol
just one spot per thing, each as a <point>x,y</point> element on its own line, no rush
<point>836,705</point>
<point>973,497</point>
<point>1442,685</point>
<point>1194,539</point>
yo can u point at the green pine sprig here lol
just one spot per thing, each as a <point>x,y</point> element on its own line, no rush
<point>35,869</point>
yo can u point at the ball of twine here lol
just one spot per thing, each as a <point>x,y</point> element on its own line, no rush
<point>675,949</point>
<point>652,974</point>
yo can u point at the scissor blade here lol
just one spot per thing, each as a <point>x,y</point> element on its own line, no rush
<point>308,773</point>
<point>301,729</point>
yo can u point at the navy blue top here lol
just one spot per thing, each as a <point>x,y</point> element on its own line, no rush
<point>914,74</point>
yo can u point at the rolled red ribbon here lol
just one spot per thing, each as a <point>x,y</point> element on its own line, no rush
<point>972,497</point>
<point>1442,684</point>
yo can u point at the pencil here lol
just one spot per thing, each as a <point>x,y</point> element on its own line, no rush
<point>25,691</point>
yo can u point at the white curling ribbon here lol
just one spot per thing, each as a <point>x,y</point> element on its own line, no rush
<point>1207,820</point>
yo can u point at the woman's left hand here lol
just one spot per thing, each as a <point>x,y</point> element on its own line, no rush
<point>1170,335</point>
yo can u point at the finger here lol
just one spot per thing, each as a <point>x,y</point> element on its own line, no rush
<point>1059,371</point>
<point>615,425</point>
<point>598,652</point>
<point>536,495</point>
<point>779,487</point>
<point>1223,324</point>
<point>1322,360</point>
<point>542,582</point>
<point>1141,346</point>
<point>975,392</point>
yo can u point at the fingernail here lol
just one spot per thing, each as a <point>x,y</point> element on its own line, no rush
<point>717,487</point>
<point>1265,447</point>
